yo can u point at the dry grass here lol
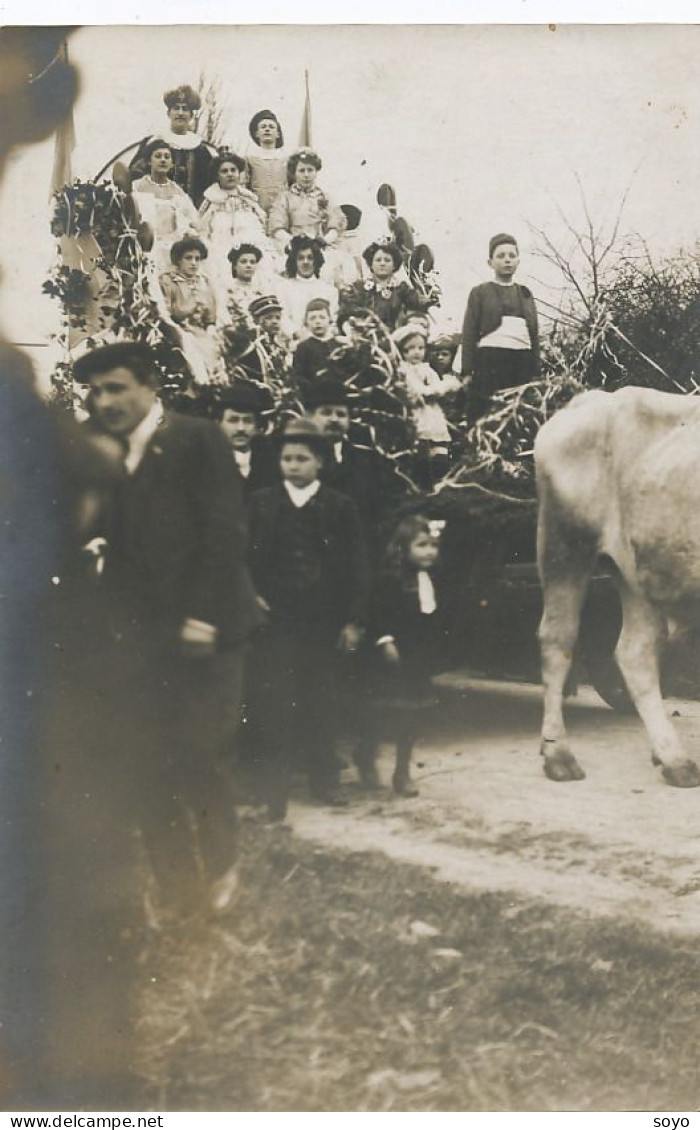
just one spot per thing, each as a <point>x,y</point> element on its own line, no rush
<point>325,992</point>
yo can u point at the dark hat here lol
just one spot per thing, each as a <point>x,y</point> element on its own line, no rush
<point>257,119</point>
<point>325,390</point>
<point>243,396</point>
<point>379,245</point>
<point>264,305</point>
<point>183,94</point>
<point>301,430</point>
<point>182,246</point>
<point>502,237</point>
<point>353,215</point>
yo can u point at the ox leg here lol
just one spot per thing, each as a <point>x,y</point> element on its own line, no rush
<point>637,657</point>
<point>558,632</point>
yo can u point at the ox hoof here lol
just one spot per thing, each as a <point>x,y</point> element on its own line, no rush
<point>561,765</point>
<point>683,774</point>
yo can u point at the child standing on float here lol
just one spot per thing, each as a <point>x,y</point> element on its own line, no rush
<point>267,162</point>
<point>500,346</point>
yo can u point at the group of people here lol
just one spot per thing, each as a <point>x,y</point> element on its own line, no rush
<point>261,274</point>
<point>260,577</point>
<point>332,589</point>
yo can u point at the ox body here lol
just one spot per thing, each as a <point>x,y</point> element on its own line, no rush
<point>618,475</point>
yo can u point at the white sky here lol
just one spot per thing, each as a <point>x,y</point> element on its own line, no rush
<point>479,128</point>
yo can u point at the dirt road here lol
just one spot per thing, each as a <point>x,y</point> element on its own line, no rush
<point>620,842</point>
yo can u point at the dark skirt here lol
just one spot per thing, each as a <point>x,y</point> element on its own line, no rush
<point>494,370</point>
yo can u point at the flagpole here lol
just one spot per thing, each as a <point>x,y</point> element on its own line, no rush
<point>305,133</point>
<point>65,141</point>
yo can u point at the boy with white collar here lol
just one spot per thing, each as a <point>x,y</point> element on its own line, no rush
<point>309,567</point>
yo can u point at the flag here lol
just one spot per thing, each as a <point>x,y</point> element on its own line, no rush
<point>305,141</point>
<point>65,142</point>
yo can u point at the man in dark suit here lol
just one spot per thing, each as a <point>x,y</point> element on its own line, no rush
<point>182,607</point>
<point>240,412</point>
<point>361,473</point>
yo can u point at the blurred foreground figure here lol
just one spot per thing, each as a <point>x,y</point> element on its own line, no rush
<point>67,912</point>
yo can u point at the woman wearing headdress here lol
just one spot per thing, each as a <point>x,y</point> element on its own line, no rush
<point>192,156</point>
<point>162,204</point>
<point>391,298</point>
<point>229,215</point>
<point>267,162</point>
<point>301,283</point>
<point>304,208</point>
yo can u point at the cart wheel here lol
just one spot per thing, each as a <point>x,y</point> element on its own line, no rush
<point>606,678</point>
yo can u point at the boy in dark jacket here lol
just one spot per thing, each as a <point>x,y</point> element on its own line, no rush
<point>500,347</point>
<point>309,566</point>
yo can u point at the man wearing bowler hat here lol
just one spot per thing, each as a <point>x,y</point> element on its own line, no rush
<point>241,413</point>
<point>356,471</point>
<point>182,606</point>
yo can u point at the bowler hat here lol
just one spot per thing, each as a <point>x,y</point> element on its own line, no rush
<point>302,430</point>
<point>243,396</point>
<point>325,391</point>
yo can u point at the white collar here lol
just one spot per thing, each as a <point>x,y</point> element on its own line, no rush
<point>243,462</point>
<point>142,435</point>
<point>338,448</point>
<point>426,592</point>
<point>301,495</point>
<point>189,140</point>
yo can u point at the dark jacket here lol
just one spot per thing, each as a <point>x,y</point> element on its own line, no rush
<point>264,467</point>
<point>484,315</point>
<point>373,484</point>
<point>340,545</point>
<point>177,536</point>
<point>311,357</point>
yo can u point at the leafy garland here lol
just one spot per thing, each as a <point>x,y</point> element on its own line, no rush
<point>126,305</point>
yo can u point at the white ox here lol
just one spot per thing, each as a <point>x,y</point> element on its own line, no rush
<point>619,474</point>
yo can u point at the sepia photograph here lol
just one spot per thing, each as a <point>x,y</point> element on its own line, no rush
<point>350,580</point>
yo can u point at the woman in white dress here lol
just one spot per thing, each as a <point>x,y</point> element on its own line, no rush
<point>230,214</point>
<point>162,204</point>
<point>301,283</point>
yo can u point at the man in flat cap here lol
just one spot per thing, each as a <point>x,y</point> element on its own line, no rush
<point>182,607</point>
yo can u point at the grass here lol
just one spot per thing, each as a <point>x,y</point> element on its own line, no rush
<point>325,992</point>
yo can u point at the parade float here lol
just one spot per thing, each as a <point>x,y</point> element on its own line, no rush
<point>104,283</point>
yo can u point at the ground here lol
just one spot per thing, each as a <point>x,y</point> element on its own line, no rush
<point>500,943</point>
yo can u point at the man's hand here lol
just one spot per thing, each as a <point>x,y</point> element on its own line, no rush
<point>390,652</point>
<point>197,639</point>
<point>350,638</point>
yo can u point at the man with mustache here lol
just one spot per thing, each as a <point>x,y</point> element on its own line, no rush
<point>361,473</point>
